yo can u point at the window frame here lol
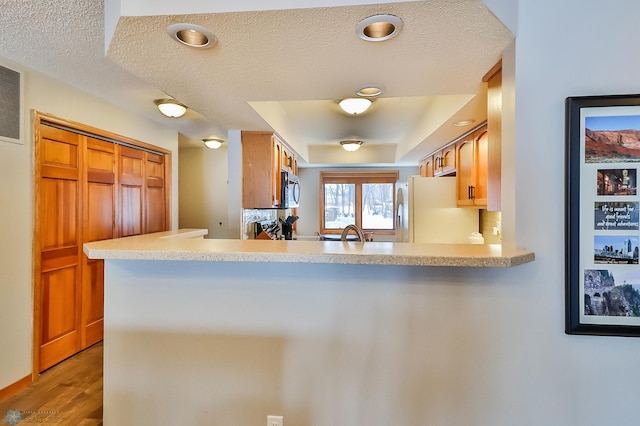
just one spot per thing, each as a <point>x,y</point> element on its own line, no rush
<point>358,178</point>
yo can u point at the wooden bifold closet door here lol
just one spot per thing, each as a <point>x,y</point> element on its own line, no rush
<point>86,189</point>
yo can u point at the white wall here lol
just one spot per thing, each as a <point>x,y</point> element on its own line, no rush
<point>203,190</point>
<point>16,204</point>
<point>309,212</point>
<point>451,346</point>
<point>568,48</point>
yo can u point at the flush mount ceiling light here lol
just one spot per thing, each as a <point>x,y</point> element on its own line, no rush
<point>463,123</point>
<point>213,143</point>
<point>355,106</point>
<point>351,145</point>
<point>192,35</point>
<point>379,27</point>
<point>170,107</point>
<point>370,91</point>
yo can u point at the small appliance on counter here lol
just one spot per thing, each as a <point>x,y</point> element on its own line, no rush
<point>287,227</point>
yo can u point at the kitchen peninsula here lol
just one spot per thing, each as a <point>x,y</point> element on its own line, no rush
<point>186,316</point>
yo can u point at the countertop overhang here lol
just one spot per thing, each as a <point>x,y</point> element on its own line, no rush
<point>189,245</point>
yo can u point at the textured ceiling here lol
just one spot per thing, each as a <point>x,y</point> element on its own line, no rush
<point>283,70</point>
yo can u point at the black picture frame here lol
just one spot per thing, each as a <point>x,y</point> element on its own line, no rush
<point>602,275</point>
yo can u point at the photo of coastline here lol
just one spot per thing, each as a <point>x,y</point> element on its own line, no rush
<point>612,293</point>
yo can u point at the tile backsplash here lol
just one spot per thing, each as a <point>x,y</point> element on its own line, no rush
<point>250,216</point>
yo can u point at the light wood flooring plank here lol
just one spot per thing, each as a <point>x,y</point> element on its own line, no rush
<point>69,393</point>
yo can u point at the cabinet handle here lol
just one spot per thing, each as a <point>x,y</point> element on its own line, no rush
<point>468,192</point>
<point>473,192</point>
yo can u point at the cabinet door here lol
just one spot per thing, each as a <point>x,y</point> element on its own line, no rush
<point>437,163</point>
<point>58,236</point>
<point>465,173</point>
<point>481,162</point>
<point>448,159</point>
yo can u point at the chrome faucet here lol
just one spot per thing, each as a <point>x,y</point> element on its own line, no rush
<point>350,227</point>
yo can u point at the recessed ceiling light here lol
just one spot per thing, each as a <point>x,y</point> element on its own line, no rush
<point>463,123</point>
<point>370,91</point>
<point>192,35</point>
<point>170,107</point>
<point>379,27</point>
<point>351,145</point>
<point>355,106</point>
<point>213,143</point>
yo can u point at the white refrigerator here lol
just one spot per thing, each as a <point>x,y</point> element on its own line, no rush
<point>426,212</point>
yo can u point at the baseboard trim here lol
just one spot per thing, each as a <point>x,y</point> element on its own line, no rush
<point>15,387</point>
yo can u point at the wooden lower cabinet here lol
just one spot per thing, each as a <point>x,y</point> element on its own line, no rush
<point>87,189</point>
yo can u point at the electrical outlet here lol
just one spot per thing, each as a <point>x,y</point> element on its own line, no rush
<point>274,421</point>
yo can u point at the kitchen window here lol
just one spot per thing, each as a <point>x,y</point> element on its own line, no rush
<point>366,199</point>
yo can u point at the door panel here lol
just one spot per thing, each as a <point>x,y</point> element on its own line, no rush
<point>58,205</point>
<point>57,224</point>
<point>131,210</point>
<point>93,301</point>
<point>155,193</point>
<point>59,302</point>
<point>131,181</point>
<point>155,209</point>
<point>99,224</point>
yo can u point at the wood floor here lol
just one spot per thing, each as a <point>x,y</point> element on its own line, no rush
<point>69,393</point>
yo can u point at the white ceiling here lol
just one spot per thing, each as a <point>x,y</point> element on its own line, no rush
<point>281,70</point>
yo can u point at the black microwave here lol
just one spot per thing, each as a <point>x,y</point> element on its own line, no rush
<point>290,194</point>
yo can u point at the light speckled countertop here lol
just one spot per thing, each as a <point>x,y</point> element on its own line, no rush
<point>188,244</point>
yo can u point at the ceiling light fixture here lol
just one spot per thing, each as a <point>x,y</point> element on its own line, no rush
<point>192,35</point>
<point>213,143</point>
<point>370,91</point>
<point>379,27</point>
<point>463,123</point>
<point>355,106</point>
<point>170,107</point>
<point>351,145</point>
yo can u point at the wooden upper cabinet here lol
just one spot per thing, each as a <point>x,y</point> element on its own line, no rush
<point>264,157</point>
<point>494,123</point>
<point>472,171</point>
<point>425,167</point>
<point>444,161</point>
